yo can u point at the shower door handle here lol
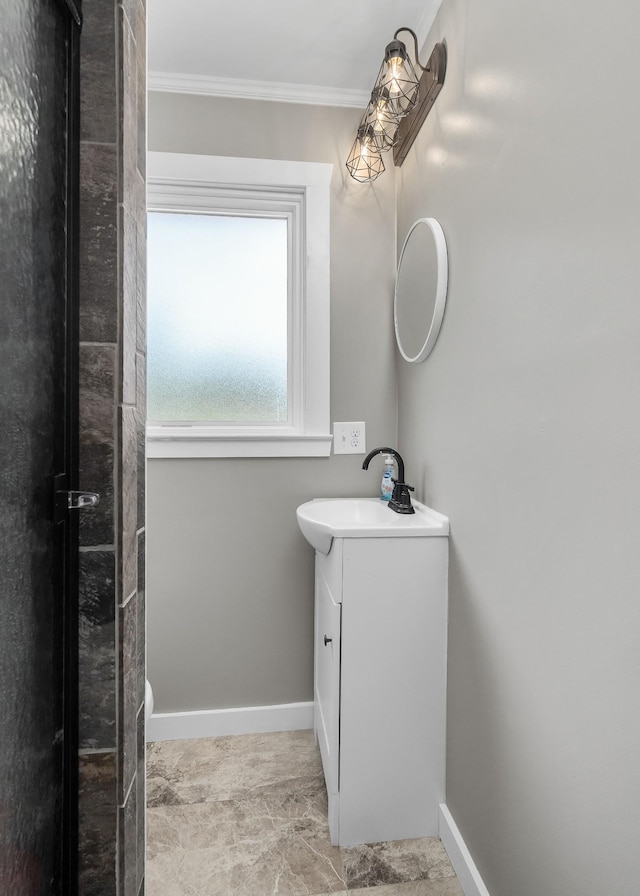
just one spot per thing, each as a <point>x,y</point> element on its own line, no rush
<point>65,499</point>
<point>79,500</point>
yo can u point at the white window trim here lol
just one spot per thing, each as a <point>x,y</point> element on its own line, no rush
<point>179,175</point>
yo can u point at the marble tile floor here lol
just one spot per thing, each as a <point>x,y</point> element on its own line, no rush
<point>248,815</point>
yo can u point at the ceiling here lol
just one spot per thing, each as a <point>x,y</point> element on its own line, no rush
<point>324,47</point>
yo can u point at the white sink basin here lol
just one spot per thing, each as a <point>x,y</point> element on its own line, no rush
<point>324,519</point>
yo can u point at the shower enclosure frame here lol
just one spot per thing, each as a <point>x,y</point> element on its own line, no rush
<point>70,790</point>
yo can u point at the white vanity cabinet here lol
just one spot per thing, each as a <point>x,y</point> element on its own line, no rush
<point>380,682</point>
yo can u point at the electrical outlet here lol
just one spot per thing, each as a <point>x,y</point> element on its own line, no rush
<point>349,438</point>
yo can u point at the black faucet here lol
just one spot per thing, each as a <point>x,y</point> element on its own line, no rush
<point>401,499</point>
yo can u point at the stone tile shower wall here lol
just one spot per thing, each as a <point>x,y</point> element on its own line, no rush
<point>112,415</point>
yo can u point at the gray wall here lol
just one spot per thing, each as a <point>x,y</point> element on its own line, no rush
<point>523,427</point>
<point>230,578</point>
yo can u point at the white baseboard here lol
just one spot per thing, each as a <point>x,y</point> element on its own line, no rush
<point>219,722</point>
<point>463,864</point>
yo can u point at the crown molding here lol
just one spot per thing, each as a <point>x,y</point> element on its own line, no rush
<point>271,91</point>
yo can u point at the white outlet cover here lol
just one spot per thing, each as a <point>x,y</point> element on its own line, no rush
<point>349,438</point>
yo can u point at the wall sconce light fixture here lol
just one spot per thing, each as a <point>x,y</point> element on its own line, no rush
<point>399,104</point>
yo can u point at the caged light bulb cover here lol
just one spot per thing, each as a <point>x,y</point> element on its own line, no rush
<point>397,81</point>
<point>384,127</point>
<point>364,162</point>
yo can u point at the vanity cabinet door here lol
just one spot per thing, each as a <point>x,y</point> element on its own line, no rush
<point>327,679</point>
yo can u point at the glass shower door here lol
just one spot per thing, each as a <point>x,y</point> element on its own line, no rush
<point>36,442</point>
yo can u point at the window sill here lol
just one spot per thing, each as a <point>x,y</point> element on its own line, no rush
<point>186,445</point>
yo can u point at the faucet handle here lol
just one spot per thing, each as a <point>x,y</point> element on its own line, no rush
<point>403,484</point>
<point>401,499</point>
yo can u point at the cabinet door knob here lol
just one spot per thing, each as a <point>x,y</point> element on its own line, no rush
<point>327,640</point>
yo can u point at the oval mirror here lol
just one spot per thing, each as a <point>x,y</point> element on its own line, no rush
<point>421,289</point>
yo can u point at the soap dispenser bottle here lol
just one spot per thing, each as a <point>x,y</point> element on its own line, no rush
<point>386,486</point>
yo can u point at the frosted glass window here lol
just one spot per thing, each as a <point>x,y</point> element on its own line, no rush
<point>218,297</point>
<point>238,307</point>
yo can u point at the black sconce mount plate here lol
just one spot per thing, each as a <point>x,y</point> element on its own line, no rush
<point>429,87</point>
